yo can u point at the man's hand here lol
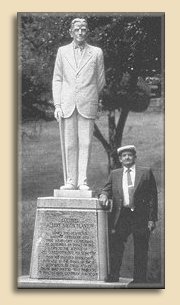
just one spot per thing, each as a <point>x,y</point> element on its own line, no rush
<point>58,113</point>
<point>151,225</point>
<point>104,201</point>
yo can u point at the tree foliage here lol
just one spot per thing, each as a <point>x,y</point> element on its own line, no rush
<point>132,51</point>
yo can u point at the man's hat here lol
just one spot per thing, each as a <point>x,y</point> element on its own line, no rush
<point>126,148</point>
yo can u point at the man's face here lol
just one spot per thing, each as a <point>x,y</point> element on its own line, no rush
<point>79,32</point>
<point>127,158</point>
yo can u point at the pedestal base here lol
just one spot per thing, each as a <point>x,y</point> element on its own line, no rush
<point>70,240</point>
<point>27,282</point>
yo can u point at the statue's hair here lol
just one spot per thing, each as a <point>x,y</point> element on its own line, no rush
<point>82,20</point>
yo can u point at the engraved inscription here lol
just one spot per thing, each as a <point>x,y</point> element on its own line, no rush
<point>67,245</point>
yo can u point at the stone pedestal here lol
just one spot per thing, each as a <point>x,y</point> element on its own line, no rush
<point>70,244</point>
<point>70,240</point>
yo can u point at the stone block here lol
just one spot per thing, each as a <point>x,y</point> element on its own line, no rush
<point>27,282</point>
<point>70,240</point>
<point>73,194</point>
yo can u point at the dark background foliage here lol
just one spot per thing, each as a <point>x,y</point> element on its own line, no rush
<point>132,47</point>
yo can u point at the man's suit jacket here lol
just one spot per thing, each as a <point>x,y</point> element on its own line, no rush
<point>78,86</point>
<point>144,197</point>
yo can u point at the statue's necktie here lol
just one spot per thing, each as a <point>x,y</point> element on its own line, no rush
<point>78,55</point>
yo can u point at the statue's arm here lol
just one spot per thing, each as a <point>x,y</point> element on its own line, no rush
<point>100,71</point>
<point>57,85</point>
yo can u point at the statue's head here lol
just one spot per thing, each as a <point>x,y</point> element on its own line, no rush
<point>79,30</point>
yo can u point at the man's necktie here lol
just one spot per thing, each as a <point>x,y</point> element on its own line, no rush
<point>129,180</point>
<point>130,188</point>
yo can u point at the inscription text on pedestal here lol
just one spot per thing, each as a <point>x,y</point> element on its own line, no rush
<point>68,247</point>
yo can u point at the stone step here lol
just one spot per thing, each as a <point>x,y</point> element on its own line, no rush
<point>73,194</point>
<point>27,282</point>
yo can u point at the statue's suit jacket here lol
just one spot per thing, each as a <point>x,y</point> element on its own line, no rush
<point>144,197</point>
<point>78,86</point>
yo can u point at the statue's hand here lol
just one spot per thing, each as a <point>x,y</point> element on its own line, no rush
<point>58,113</point>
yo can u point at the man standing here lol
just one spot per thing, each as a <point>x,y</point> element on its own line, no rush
<point>77,82</point>
<point>134,211</point>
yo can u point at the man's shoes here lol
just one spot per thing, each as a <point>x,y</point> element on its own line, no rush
<point>131,284</point>
<point>84,187</point>
<point>137,284</point>
<point>67,186</point>
<point>112,279</point>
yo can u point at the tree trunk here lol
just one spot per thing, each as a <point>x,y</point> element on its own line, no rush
<point>106,145</point>
<point>99,136</point>
<point>120,126</point>
<point>118,136</point>
<point>115,137</point>
<point>112,132</point>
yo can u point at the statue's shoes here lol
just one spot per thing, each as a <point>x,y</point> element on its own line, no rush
<point>67,186</point>
<point>84,187</point>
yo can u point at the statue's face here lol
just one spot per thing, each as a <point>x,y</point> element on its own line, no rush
<point>79,32</point>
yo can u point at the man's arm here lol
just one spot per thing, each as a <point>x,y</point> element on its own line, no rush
<point>57,85</point>
<point>106,192</point>
<point>153,202</point>
<point>100,71</point>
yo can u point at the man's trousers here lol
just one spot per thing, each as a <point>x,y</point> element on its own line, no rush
<point>130,223</point>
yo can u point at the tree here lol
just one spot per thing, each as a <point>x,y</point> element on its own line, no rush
<point>132,48</point>
<point>132,51</point>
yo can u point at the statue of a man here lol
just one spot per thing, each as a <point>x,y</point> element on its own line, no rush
<point>77,82</point>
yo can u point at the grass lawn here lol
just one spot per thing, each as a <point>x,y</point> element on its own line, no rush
<point>41,172</point>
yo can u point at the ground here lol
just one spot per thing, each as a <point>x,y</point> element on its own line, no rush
<point>40,172</point>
